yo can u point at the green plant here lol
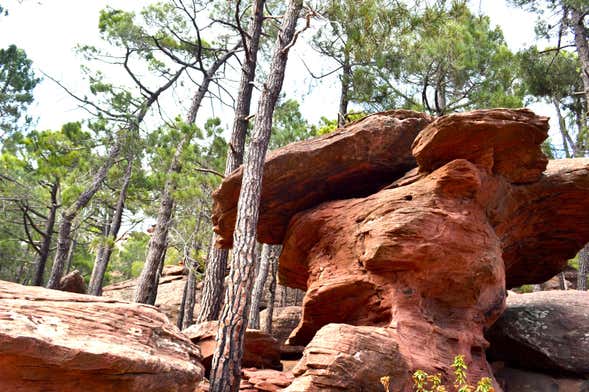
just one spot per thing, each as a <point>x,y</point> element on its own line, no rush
<point>424,382</point>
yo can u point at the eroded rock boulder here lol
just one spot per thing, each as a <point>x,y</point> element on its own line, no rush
<point>544,331</point>
<point>73,283</point>
<point>261,350</point>
<point>518,380</point>
<point>56,341</point>
<point>260,380</point>
<point>346,358</point>
<point>353,161</point>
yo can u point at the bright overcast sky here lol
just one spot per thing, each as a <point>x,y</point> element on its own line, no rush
<point>48,30</point>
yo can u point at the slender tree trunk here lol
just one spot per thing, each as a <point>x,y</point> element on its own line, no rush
<point>160,235</point>
<point>213,285</point>
<point>65,227</point>
<point>186,314</point>
<point>345,89</point>
<point>275,251</point>
<point>566,137</point>
<point>225,370</point>
<point>579,31</point>
<point>153,288</point>
<point>258,291</point>
<point>101,263</point>
<point>583,268</point>
<point>43,254</point>
<point>70,254</point>
<point>562,282</point>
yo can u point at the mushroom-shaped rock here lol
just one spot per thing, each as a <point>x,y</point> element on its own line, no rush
<point>353,161</point>
<point>56,341</point>
<point>429,256</point>
<point>503,140</point>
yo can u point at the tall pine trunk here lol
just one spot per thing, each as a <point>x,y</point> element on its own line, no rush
<point>212,292</point>
<point>579,31</point>
<point>566,137</point>
<point>583,268</point>
<point>225,370</point>
<point>345,89</point>
<point>105,251</point>
<point>148,280</point>
<point>186,313</point>
<point>275,251</point>
<point>43,255</point>
<point>258,290</point>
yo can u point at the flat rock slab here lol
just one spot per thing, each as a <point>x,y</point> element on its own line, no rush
<point>353,161</point>
<point>544,331</point>
<point>59,342</point>
<point>505,141</point>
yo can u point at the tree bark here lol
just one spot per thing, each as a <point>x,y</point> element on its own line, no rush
<point>583,268</point>
<point>562,282</point>
<point>225,370</point>
<point>345,90</point>
<point>43,254</point>
<point>274,255</point>
<point>578,26</point>
<point>103,257</point>
<point>152,294</point>
<point>164,217</point>
<point>258,290</point>
<point>186,314</point>
<point>212,292</point>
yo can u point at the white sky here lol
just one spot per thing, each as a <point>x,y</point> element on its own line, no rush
<point>48,30</point>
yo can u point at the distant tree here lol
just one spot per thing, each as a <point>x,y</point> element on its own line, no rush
<point>17,81</point>
<point>289,125</point>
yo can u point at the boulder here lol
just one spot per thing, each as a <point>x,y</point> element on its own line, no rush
<point>253,379</point>
<point>261,350</point>
<point>518,380</point>
<point>544,331</point>
<point>56,341</point>
<point>346,358</point>
<point>73,283</point>
<point>353,161</point>
<point>284,321</point>
<point>169,292</point>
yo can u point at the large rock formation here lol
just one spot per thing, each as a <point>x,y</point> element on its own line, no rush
<point>284,321</point>
<point>58,342</point>
<point>353,161</point>
<point>424,262</point>
<point>544,331</point>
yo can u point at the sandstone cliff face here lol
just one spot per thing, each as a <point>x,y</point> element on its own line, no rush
<point>60,342</point>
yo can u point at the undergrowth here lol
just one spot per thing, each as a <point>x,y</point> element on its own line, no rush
<point>424,382</point>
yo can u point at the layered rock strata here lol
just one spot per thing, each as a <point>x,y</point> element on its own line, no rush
<point>59,342</point>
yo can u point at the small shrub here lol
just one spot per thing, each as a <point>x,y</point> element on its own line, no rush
<point>424,382</point>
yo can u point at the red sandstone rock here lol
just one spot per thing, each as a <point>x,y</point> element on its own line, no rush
<point>284,321</point>
<point>354,161</point>
<point>544,331</point>
<point>58,342</point>
<point>266,379</point>
<point>73,283</point>
<point>346,358</point>
<point>427,258</point>
<point>503,140</point>
<point>261,350</point>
